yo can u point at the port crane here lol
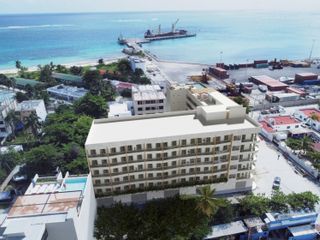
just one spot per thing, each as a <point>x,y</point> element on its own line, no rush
<point>174,25</point>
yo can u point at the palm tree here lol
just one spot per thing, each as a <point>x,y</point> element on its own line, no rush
<point>33,122</point>
<point>207,204</point>
<point>306,144</point>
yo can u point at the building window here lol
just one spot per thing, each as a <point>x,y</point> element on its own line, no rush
<point>123,159</point>
<point>104,161</point>
<point>140,167</point>
<point>139,157</point>
<point>139,147</point>
<point>114,160</point>
<point>105,171</point>
<point>102,152</point>
<point>96,172</point>
<point>124,169</point>
<point>158,145</point>
<point>147,108</point>
<point>183,142</point>
<point>98,182</point>
<point>122,149</point>
<point>149,146</point>
<point>115,170</point>
<point>149,166</point>
<point>139,109</point>
<point>139,102</point>
<point>113,150</point>
<point>93,152</point>
<point>140,176</point>
<point>94,162</point>
<point>150,175</point>
<point>160,101</point>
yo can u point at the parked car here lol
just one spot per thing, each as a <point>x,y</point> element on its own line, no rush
<point>276,183</point>
<point>263,88</point>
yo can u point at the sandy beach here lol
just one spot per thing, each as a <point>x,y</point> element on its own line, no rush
<point>84,63</point>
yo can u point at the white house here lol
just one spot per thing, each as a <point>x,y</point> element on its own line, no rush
<point>282,123</point>
<point>310,116</point>
<point>25,109</point>
<point>136,63</point>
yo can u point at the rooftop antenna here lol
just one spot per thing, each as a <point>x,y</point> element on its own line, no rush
<point>311,51</point>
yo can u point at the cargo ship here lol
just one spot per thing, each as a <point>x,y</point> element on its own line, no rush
<point>174,33</point>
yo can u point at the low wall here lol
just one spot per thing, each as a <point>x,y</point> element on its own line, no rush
<point>301,102</point>
<point>302,163</point>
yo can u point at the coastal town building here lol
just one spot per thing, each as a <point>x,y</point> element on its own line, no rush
<point>7,103</point>
<point>66,93</point>
<point>271,83</point>
<point>137,63</point>
<point>52,208</point>
<point>68,78</point>
<point>119,109</point>
<point>148,99</point>
<point>26,108</point>
<point>174,152</point>
<point>310,116</point>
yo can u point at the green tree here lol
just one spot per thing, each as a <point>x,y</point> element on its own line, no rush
<point>21,97</point>
<point>124,66</point>
<point>42,160</point>
<point>93,106</point>
<point>46,74</point>
<point>301,201</point>
<point>18,65</point>
<point>33,122</point>
<point>253,205</point>
<point>127,93</point>
<point>61,69</point>
<point>76,70</point>
<point>207,204</point>
<point>100,61</point>
<point>118,223</point>
<point>13,120</point>
<point>9,160</point>
<point>93,81</point>
<point>315,117</point>
<point>279,202</point>
<point>306,143</point>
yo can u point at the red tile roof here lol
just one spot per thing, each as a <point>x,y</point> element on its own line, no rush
<point>310,111</point>
<point>282,120</point>
<point>266,127</point>
<point>316,147</point>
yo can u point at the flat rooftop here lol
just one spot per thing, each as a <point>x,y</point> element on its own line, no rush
<point>155,126</point>
<point>228,229</point>
<point>42,204</point>
<point>311,111</point>
<point>302,230</point>
<point>266,80</point>
<point>307,74</point>
<point>147,92</point>
<point>30,104</point>
<point>282,120</point>
<point>68,90</point>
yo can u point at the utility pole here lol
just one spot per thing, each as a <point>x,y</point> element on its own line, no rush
<point>311,51</point>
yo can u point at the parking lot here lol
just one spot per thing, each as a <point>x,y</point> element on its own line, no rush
<point>268,167</point>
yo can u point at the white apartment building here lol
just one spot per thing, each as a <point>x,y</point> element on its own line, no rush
<point>148,99</point>
<point>52,208</point>
<point>136,62</point>
<point>7,103</point>
<point>25,109</point>
<point>161,155</point>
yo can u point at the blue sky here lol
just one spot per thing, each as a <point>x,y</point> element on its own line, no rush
<point>44,6</point>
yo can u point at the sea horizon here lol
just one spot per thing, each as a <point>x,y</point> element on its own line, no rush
<point>75,37</point>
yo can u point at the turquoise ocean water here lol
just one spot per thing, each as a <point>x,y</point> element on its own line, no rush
<point>64,38</point>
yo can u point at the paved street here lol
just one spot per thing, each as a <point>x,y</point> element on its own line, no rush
<point>268,167</point>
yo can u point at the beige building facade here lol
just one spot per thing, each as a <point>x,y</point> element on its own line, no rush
<point>172,153</point>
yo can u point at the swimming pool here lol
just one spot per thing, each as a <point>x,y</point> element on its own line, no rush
<point>199,86</point>
<point>74,184</point>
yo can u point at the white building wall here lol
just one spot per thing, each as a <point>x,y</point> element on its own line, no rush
<point>85,221</point>
<point>41,111</point>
